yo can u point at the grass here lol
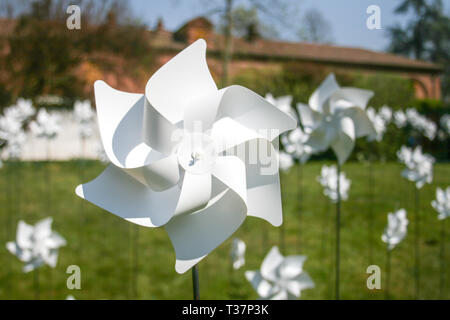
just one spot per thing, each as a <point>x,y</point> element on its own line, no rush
<point>101,244</point>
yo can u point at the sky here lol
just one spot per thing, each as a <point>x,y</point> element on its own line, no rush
<point>346,17</point>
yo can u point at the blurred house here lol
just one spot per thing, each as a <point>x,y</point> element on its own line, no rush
<point>269,54</point>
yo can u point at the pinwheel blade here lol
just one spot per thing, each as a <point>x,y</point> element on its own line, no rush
<point>186,76</point>
<point>344,143</point>
<point>328,87</point>
<point>254,112</point>
<point>119,193</point>
<point>195,235</point>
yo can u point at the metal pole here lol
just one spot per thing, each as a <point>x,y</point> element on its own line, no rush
<point>195,286</point>
<point>338,229</point>
<point>416,243</point>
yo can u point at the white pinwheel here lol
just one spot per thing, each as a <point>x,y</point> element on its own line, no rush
<point>379,125</point>
<point>36,245</point>
<point>385,113</point>
<point>400,119</point>
<point>294,143</point>
<point>85,116</point>
<point>11,134</point>
<point>396,229</point>
<point>22,110</point>
<point>442,203</point>
<point>285,161</point>
<point>422,124</point>
<point>283,103</point>
<point>280,278</point>
<point>174,161</point>
<point>419,166</point>
<point>445,123</point>
<point>328,180</point>
<point>238,253</point>
<point>335,117</point>
<point>46,125</point>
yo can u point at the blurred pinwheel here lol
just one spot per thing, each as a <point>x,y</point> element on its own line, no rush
<point>385,113</point>
<point>328,180</point>
<point>335,117</point>
<point>176,157</point>
<point>294,143</point>
<point>46,125</point>
<point>85,116</point>
<point>238,253</point>
<point>12,135</point>
<point>283,103</point>
<point>419,166</point>
<point>396,229</point>
<point>442,203</point>
<point>379,124</point>
<point>445,123</point>
<point>285,161</point>
<point>280,278</point>
<point>400,119</point>
<point>36,245</point>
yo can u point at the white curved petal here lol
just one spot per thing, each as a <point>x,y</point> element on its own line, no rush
<point>291,267</point>
<point>230,171</point>
<point>200,113</point>
<point>270,264</point>
<point>345,141</point>
<point>158,132</point>
<point>254,112</point>
<point>32,265</point>
<point>43,228</point>
<point>195,235</point>
<point>24,234</point>
<point>322,136</point>
<point>227,133</point>
<point>185,77</point>
<point>263,287</point>
<point>120,194</point>
<point>120,120</point>
<point>308,116</point>
<point>262,178</point>
<point>15,249</point>
<point>328,87</point>
<point>363,125</point>
<point>301,282</point>
<point>159,175</point>
<point>195,193</point>
<point>350,97</point>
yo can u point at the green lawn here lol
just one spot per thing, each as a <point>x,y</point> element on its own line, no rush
<point>103,244</point>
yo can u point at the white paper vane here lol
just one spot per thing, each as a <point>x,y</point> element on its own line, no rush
<point>184,155</point>
<point>419,166</point>
<point>280,278</point>
<point>335,117</point>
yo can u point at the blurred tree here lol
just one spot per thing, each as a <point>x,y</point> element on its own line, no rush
<point>43,57</point>
<point>274,12</point>
<point>425,36</point>
<point>315,28</point>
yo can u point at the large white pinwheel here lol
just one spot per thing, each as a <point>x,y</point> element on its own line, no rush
<point>184,155</point>
<point>335,117</point>
<point>280,278</point>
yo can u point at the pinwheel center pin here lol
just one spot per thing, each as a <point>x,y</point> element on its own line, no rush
<point>196,153</point>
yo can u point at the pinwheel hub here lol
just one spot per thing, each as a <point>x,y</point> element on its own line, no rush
<point>196,153</point>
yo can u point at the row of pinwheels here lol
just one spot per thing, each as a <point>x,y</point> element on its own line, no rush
<point>20,120</point>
